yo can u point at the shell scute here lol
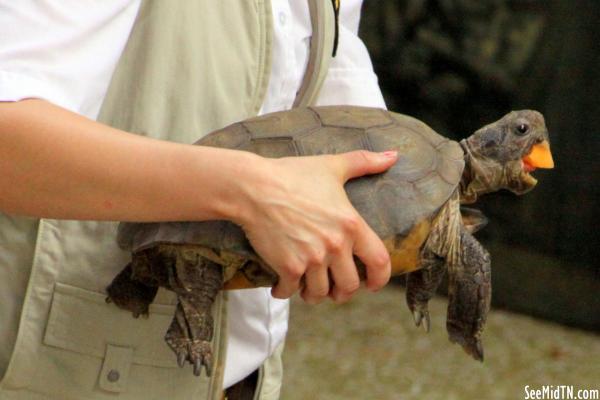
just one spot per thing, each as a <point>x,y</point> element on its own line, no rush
<point>353,117</point>
<point>416,157</point>
<point>272,147</point>
<point>339,140</point>
<point>232,137</point>
<point>290,123</point>
<point>420,128</point>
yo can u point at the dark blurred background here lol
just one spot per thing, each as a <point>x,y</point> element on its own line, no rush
<point>460,64</point>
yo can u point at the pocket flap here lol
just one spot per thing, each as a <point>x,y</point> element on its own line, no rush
<point>115,368</point>
<point>81,321</point>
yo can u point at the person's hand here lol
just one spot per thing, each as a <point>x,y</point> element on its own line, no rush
<point>300,221</point>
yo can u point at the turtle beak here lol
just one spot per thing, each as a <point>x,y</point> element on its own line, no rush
<point>539,157</point>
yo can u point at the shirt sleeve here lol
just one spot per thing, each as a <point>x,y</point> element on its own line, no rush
<point>62,51</point>
<point>351,79</point>
<point>21,84</point>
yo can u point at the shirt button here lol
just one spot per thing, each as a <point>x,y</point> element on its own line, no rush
<point>282,18</point>
<point>113,375</point>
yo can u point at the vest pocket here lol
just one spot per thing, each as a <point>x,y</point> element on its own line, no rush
<point>93,350</point>
<point>81,321</point>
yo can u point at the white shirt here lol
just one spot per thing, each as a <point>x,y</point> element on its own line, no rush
<point>65,51</point>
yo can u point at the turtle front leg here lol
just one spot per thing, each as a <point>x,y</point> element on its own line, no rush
<point>469,295</point>
<point>191,330</point>
<point>421,286</point>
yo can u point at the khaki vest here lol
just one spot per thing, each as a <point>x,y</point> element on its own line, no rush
<point>188,68</point>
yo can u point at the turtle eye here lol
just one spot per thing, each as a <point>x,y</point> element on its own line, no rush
<point>522,129</point>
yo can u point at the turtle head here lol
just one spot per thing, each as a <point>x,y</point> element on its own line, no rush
<point>503,154</point>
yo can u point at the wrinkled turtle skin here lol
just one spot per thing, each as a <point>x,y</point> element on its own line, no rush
<point>414,207</point>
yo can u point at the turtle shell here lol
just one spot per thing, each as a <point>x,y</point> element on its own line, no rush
<point>409,194</point>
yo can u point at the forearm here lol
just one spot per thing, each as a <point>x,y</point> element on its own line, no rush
<point>57,164</point>
<point>294,210</point>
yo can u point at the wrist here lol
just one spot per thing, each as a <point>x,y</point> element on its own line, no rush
<point>242,181</point>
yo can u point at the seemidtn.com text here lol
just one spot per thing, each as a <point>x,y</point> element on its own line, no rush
<point>560,392</point>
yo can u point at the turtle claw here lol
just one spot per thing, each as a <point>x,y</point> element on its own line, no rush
<point>426,322</point>
<point>181,356</point>
<point>200,354</point>
<point>143,314</point>
<point>475,349</point>
<point>471,345</point>
<point>197,352</point>
<point>417,317</point>
<point>421,286</point>
<point>421,317</point>
<point>197,367</point>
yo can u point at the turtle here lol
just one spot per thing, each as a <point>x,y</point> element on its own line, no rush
<point>416,208</point>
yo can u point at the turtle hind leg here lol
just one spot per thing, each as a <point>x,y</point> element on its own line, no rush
<point>197,283</point>
<point>469,295</point>
<point>421,286</point>
<point>131,294</point>
<point>186,342</point>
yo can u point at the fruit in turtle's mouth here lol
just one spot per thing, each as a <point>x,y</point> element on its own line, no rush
<point>538,157</point>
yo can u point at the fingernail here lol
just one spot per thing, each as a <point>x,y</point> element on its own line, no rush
<point>390,153</point>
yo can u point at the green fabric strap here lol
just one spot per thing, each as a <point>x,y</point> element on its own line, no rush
<point>322,42</point>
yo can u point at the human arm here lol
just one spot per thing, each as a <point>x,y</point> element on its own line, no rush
<point>58,164</point>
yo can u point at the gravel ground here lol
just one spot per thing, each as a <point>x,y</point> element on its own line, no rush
<point>370,349</point>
